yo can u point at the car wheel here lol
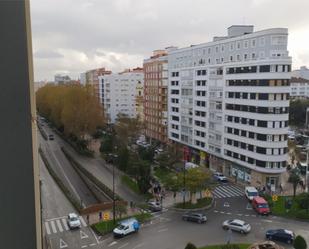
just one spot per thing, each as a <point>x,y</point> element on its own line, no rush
<point>199,221</point>
<point>225,227</point>
<point>242,231</point>
<point>185,218</point>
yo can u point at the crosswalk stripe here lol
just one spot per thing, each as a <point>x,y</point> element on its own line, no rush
<point>225,193</point>
<point>222,193</point>
<point>217,194</point>
<point>64,222</point>
<point>230,190</point>
<point>236,189</point>
<point>59,225</point>
<point>53,226</point>
<point>83,221</point>
<point>47,228</point>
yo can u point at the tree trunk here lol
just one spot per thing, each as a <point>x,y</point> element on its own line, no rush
<point>294,190</point>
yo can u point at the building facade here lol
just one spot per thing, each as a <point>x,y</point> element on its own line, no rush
<point>92,77</point>
<point>299,88</point>
<point>229,103</point>
<point>118,93</point>
<point>303,72</point>
<point>155,96</point>
<point>62,79</point>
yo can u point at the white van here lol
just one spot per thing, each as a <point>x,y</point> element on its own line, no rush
<point>251,192</point>
<point>126,227</point>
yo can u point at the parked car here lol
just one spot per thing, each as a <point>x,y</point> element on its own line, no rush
<point>51,137</point>
<point>154,206</point>
<point>195,217</point>
<point>189,165</point>
<point>126,227</point>
<point>220,177</point>
<point>251,192</point>
<point>283,235</point>
<point>237,225</point>
<point>73,221</point>
<point>260,205</point>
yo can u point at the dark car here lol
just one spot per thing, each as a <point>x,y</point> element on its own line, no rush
<point>283,235</point>
<point>196,217</point>
<point>51,137</point>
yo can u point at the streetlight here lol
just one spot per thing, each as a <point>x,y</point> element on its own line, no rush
<point>185,155</point>
<point>114,209</point>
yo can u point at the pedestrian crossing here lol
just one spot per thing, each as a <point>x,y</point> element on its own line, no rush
<point>60,225</point>
<point>228,191</point>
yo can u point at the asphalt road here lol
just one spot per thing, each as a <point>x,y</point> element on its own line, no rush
<point>65,171</point>
<point>55,208</point>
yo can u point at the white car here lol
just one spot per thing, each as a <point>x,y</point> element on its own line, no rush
<point>73,221</point>
<point>220,177</point>
<point>237,225</point>
<point>126,227</point>
<point>251,192</point>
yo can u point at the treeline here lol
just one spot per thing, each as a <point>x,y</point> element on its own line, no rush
<point>73,109</point>
<point>298,112</point>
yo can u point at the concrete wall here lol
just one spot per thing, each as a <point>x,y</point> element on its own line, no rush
<point>20,225</point>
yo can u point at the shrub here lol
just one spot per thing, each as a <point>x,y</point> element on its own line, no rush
<point>302,214</point>
<point>303,201</point>
<point>300,243</point>
<point>190,246</point>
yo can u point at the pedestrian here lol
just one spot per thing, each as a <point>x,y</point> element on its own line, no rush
<point>87,219</point>
<point>229,236</point>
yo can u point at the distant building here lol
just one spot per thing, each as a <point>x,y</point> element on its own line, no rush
<point>299,88</point>
<point>139,100</point>
<point>92,77</point>
<point>62,79</point>
<point>120,93</point>
<point>303,72</point>
<point>155,96</point>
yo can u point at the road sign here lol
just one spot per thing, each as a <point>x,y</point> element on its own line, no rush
<point>275,197</point>
<point>207,193</point>
<point>106,216</point>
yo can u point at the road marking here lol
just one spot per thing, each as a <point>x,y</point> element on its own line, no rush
<point>47,228</point>
<point>253,215</point>
<point>230,191</point>
<point>237,190</point>
<point>93,244</point>
<point>247,215</point>
<point>269,221</point>
<point>124,245</point>
<point>226,191</point>
<point>229,213</point>
<point>97,239</point>
<point>64,222</point>
<point>239,214</point>
<point>222,212</point>
<point>113,243</point>
<point>249,206</point>
<point>139,245</point>
<point>162,230</point>
<point>216,211</point>
<point>59,226</point>
<point>82,221</point>
<point>220,193</point>
<point>63,244</point>
<point>83,235</point>
<point>56,218</point>
<point>53,226</point>
<point>84,246</point>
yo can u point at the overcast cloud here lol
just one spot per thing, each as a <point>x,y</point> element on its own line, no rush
<point>72,36</point>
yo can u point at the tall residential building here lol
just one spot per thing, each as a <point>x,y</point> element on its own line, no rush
<point>92,77</point>
<point>118,93</point>
<point>303,72</point>
<point>155,96</point>
<point>139,100</point>
<point>229,103</point>
<point>299,88</point>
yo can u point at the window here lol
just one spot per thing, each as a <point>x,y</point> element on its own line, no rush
<point>238,45</point>
<point>246,44</point>
<point>262,41</point>
<point>253,43</point>
<point>265,68</point>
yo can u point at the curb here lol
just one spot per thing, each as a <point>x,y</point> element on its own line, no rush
<point>195,209</point>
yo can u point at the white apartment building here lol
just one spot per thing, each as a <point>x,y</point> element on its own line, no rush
<point>302,72</point>
<point>228,102</point>
<point>299,88</point>
<point>118,93</point>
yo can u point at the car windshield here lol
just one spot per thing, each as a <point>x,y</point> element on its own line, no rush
<point>121,227</point>
<point>73,219</point>
<point>264,205</point>
<point>252,193</point>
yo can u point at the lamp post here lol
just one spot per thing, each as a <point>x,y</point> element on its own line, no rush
<point>114,208</point>
<point>185,157</point>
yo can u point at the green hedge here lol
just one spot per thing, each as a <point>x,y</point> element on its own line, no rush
<point>105,227</point>
<point>240,246</point>
<point>75,202</point>
<point>200,203</point>
<point>130,183</point>
<point>95,180</point>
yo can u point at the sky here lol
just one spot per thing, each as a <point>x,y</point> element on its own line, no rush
<point>73,36</point>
